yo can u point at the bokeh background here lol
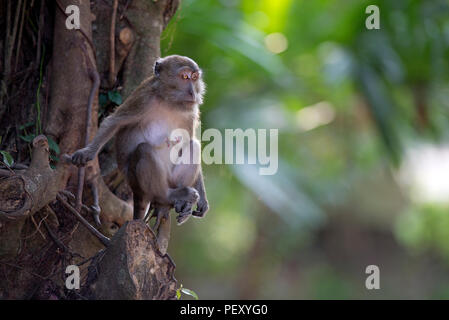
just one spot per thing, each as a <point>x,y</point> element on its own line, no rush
<point>363,149</point>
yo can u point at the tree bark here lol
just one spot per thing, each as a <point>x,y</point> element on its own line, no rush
<point>133,268</point>
<point>44,236</point>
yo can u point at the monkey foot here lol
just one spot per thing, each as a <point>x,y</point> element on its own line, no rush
<point>184,208</point>
<point>96,213</point>
<point>161,214</point>
<point>181,218</point>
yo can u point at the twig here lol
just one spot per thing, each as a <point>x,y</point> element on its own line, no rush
<point>8,24</point>
<point>20,166</point>
<point>6,62</point>
<point>10,41</point>
<point>6,173</point>
<point>8,167</point>
<point>124,9</point>
<point>38,226</point>
<point>39,33</point>
<point>52,213</point>
<point>22,268</point>
<point>112,45</point>
<point>103,239</point>
<point>70,196</point>
<point>16,25</point>
<point>79,264</point>
<point>38,94</point>
<point>39,63</point>
<point>19,41</point>
<point>55,239</point>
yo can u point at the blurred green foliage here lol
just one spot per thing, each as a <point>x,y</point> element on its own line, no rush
<point>347,102</point>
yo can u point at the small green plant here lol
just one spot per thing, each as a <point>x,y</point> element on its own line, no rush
<point>116,97</point>
<point>28,137</point>
<point>186,291</point>
<point>51,143</point>
<point>111,96</point>
<point>38,94</point>
<point>109,99</point>
<point>7,158</point>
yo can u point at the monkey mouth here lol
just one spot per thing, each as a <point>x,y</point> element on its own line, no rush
<point>190,100</point>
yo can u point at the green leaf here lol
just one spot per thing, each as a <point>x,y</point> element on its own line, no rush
<point>189,292</point>
<point>26,125</point>
<point>7,158</point>
<point>115,97</point>
<point>103,100</point>
<point>53,145</point>
<point>54,158</point>
<point>28,138</point>
<point>178,294</point>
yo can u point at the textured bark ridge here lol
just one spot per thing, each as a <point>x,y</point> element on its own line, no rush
<point>146,47</point>
<point>24,193</point>
<point>133,268</point>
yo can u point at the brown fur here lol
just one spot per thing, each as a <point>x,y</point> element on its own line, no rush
<point>142,125</point>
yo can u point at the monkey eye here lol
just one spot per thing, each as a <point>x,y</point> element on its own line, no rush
<point>185,76</point>
<point>194,76</point>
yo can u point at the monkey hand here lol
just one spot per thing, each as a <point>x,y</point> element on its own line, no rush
<point>201,208</point>
<point>82,156</point>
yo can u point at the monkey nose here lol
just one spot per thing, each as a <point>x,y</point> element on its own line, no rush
<point>191,90</point>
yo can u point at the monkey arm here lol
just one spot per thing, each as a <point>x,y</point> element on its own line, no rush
<point>203,204</point>
<point>107,130</point>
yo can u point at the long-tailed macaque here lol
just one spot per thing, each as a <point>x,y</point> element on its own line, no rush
<point>142,126</point>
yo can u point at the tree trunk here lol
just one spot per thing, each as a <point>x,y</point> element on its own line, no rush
<point>133,268</point>
<point>46,216</point>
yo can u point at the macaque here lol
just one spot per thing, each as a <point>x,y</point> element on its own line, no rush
<point>143,127</point>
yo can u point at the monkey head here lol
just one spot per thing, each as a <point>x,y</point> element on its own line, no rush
<point>181,80</point>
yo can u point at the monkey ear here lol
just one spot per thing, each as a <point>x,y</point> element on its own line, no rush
<point>157,68</point>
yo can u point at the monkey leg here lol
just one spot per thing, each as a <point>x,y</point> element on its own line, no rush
<point>147,178</point>
<point>162,226</point>
<point>184,174</point>
<point>187,167</point>
<point>141,205</point>
<point>161,213</point>
<point>163,231</point>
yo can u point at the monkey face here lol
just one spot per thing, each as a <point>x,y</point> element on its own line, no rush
<point>186,82</point>
<point>182,79</point>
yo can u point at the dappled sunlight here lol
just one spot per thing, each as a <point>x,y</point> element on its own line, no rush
<point>346,102</point>
<point>276,42</point>
<point>275,13</point>
<point>311,117</point>
<point>425,172</point>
